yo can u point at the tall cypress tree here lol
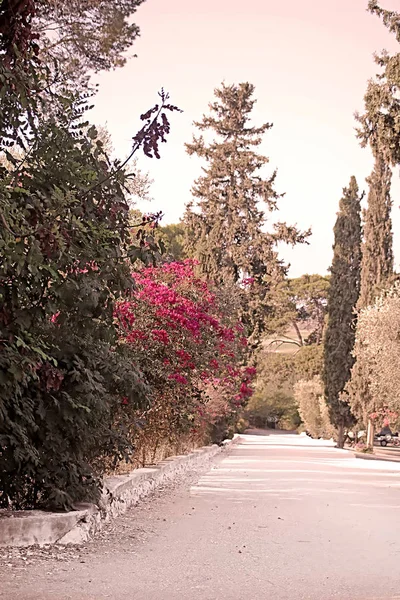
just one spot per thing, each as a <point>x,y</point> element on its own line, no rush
<point>225,224</point>
<point>377,247</point>
<point>378,128</point>
<point>342,299</point>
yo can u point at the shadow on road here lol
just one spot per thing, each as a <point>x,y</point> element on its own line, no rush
<point>265,432</point>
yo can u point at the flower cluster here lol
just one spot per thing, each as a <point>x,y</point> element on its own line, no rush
<point>186,342</point>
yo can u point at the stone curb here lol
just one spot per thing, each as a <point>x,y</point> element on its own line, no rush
<point>28,528</point>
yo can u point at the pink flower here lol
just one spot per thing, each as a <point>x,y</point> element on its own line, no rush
<point>178,378</point>
<point>248,281</point>
<point>55,317</point>
<point>252,371</point>
<point>161,335</point>
<point>214,364</point>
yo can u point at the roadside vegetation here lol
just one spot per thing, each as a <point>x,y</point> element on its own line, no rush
<point>124,340</point>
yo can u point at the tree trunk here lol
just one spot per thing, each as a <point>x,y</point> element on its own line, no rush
<point>340,442</point>
<point>300,337</point>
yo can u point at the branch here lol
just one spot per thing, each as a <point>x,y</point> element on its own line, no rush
<point>287,341</point>
<point>148,136</point>
<point>6,225</point>
<point>296,327</point>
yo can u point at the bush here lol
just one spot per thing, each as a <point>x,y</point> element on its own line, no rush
<point>377,353</point>
<point>313,409</point>
<point>67,254</point>
<point>275,408</point>
<point>189,349</point>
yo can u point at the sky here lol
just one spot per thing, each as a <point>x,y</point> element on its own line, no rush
<point>309,60</point>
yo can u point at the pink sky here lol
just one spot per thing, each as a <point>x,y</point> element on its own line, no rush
<point>309,60</point>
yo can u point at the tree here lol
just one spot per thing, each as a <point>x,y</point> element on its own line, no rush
<point>342,300</point>
<point>377,351</point>
<point>300,305</point>
<point>277,407</point>
<point>377,247</point>
<point>312,408</point>
<point>379,124</point>
<point>67,253</point>
<point>92,35</point>
<point>379,127</point>
<point>277,374</point>
<point>173,238</point>
<point>225,226</point>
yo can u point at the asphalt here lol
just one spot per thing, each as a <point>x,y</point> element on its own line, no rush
<point>279,516</point>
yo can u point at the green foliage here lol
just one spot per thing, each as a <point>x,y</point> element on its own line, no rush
<point>67,252</point>
<point>62,255</point>
<point>274,408</point>
<point>308,361</point>
<point>343,296</point>
<point>300,303</point>
<point>173,238</point>
<point>83,37</point>
<point>375,383</point>
<point>312,407</point>
<point>377,247</point>
<point>61,381</point>
<point>225,228</point>
<point>380,123</point>
<point>380,128</point>
<point>281,371</point>
<point>277,375</point>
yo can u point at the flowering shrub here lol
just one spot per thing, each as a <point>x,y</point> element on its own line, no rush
<point>189,349</point>
<point>384,417</point>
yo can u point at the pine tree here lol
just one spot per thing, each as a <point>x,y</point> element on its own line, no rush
<point>377,251</point>
<point>225,227</point>
<point>342,299</point>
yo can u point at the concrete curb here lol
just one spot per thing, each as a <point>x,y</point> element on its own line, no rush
<point>28,528</point>
<point>366,456</point>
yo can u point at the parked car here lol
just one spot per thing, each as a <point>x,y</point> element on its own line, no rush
<point>385,437</point>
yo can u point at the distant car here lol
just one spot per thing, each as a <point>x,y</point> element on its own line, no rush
<point>386,437</point>
<point>383,440</point>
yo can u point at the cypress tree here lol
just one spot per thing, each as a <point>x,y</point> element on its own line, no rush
<point>376,273</point>
<point>342,299</point>
<point>377,247</point>
<point>378,128</point>
<point>225,223</point>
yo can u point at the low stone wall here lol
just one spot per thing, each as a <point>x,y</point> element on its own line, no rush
<point>27,528</point>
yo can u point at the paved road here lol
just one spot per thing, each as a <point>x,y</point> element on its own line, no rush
<point>278,517</point>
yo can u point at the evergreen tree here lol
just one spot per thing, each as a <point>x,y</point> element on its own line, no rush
<point>225,228</point>
<point>379,129</point>
<point>379,123</point>
<point>377,252</point>
<point>342,299</point>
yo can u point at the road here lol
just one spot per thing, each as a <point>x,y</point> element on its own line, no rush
<point>278,516</point>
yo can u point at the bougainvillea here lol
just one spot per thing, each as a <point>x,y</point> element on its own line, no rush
<point>188,348</point>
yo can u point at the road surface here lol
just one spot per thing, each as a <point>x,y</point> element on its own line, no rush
<point>278,516</point>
